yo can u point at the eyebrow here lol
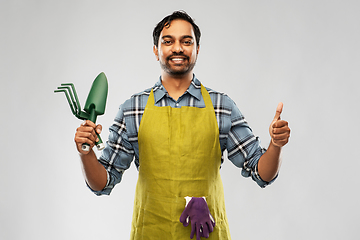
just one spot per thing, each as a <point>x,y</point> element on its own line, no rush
<point>182,37</point>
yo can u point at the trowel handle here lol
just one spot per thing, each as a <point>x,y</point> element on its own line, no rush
<point>100,145</point>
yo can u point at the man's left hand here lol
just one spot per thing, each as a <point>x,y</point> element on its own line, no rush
<point>279,129</point>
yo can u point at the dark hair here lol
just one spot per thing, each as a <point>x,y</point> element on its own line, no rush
<point>167,21</point>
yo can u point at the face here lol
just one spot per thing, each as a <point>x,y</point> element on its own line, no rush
<point>177,50</point>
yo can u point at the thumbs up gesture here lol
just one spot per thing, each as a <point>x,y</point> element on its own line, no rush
<point>279,129</point>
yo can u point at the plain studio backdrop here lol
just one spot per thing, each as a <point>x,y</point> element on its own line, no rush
<point>259,52</point>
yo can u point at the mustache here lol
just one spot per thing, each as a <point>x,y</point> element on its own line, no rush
<point>177,55</point>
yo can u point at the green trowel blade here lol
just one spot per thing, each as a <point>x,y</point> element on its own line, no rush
<point>97,96</point>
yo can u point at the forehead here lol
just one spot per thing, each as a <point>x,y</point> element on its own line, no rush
<point>177,29</point>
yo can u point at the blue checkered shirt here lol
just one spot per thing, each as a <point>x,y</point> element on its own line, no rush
<point>244,149</point>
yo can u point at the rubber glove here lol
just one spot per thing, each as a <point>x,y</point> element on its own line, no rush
<point>197,212</point>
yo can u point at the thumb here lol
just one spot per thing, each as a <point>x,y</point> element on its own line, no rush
<point>278,111</point>
<point>98,129</point>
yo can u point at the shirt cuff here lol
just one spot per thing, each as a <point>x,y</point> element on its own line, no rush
<point>106,190</point>
<point>256,177</point>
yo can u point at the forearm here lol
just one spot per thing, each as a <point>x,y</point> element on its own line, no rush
<point>269,163</point>
<point>94,172</point>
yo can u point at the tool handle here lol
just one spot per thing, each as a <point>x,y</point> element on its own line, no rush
<point>99,144</point>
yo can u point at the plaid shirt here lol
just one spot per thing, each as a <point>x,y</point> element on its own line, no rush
<point>235,135</point>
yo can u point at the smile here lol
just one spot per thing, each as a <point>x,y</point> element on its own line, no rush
<point>177,60</point>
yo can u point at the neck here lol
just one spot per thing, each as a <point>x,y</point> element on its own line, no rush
<point>176,85</point>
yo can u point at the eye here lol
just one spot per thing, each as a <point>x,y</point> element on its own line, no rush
<point>187,42</point>
<point>167,42</point>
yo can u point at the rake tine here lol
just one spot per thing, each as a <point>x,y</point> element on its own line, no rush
<point>75,95</point>
<point>68,99</point>
<point>72,98</point>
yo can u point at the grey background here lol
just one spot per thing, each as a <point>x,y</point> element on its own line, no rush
<point>304,53</point>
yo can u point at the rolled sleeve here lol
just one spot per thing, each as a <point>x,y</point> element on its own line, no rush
<point>117,155</point>
<point>256,177</point>
<point>244,149</point>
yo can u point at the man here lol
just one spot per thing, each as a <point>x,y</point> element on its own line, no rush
<point>177,132</point>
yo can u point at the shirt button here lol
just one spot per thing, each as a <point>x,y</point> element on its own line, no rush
<point>177,104</point>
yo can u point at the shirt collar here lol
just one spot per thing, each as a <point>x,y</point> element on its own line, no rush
<point>194,89</point>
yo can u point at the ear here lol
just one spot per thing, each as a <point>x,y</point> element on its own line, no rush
<point>155,50</point>
<point>197,49</point>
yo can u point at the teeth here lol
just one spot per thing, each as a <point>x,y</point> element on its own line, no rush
<point>177,59</point>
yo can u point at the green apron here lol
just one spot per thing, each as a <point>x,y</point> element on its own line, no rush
<point>180,156</point>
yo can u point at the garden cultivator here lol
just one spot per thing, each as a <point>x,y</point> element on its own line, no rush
<point>94,106</point>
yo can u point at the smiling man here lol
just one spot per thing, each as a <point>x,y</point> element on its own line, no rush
<point>177,132</point>
<point>176,49</point>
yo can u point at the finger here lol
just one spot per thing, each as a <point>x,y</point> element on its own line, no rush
<point>86,128</point>
<point>280,137</point>
<point>85,135</point>
<point>89,126</point>
<point>206,231</point>
<point>87,131</point>
<point>278,111</point>
<point>280,143</point>
<point>80,141</point>
<point>88,123</point>
<point>186,223</point>
<point>279,124</point>
<point>198,231</point>
<point>279,130</point>
<point>211,226</point>
<point>184,218</point>
<point>193,229</point>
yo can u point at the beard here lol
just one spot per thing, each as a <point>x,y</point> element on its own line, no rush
<point>181,69</point>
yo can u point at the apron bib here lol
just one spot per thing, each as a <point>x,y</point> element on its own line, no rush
<point>180,156</point>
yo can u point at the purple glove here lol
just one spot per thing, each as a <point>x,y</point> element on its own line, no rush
<point>201,220</point>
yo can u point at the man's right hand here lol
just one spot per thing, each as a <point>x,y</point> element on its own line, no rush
<point>86,133</point>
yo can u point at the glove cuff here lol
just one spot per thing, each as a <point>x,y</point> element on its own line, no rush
<point>188,199</point>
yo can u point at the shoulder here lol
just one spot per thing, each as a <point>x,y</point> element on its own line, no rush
<point>215,93</point>
<point>138,100</point>
<point>220,99</point>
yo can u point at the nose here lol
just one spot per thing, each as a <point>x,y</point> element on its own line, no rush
<point>177,47</point>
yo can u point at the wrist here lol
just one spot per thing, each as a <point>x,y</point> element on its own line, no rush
<point>87,156</point>
<point>274,145</point>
